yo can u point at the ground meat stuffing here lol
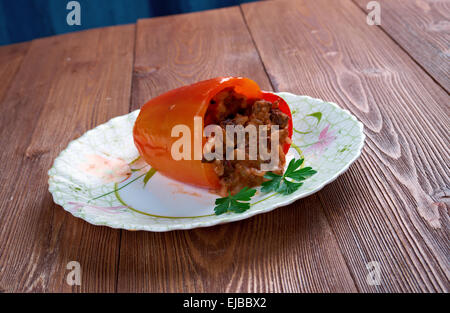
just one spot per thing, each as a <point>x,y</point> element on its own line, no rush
<point>230,108</point>
<point>279,118</point>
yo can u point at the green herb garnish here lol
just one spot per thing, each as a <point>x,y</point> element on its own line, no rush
<point>290,181</point>
<point>234,203</point>
<point>284,184</point>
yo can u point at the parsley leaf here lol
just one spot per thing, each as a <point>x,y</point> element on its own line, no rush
<point>289,187</point>
<point>234,203</point>
<point>285,184</point>
<point>282,184</point>
<point>273,184</point>
<point>302,174</point>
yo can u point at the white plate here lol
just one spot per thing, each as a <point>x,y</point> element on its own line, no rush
<point>99,176</point>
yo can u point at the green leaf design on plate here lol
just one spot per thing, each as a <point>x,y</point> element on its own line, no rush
<point>317,115</point>
<point>149,175</point>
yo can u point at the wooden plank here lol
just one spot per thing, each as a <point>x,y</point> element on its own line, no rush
<point>10,60</point>
<point>421,27</point>
<point>182,49</point>
<point>277,251</point>
<point>65,86</point>
<point>390,207</point>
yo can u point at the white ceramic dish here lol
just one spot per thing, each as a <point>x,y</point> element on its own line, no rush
<point>99,176</point>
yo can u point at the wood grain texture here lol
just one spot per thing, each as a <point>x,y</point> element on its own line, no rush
<point>182,49</point>
<point>10,60</point>
<point>65,86</point>
<point>422,28</point>
<point>289,250</point>
<point>392,205</point>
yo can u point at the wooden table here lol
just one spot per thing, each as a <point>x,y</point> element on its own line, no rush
<point>391,206</point>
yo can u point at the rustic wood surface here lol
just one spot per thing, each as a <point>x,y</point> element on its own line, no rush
<point>391,206</point>
<point>422,28</point>
<point>390,211</point>
<point>64,86</point>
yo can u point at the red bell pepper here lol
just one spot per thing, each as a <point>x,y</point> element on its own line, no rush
<point>153,127</point>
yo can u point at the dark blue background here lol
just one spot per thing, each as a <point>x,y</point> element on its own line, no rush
<point>22,20</point>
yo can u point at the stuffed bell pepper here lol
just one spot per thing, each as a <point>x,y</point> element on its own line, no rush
<point>221,102</point>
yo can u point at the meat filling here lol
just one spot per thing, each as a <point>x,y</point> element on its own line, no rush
<point>231,108</point>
